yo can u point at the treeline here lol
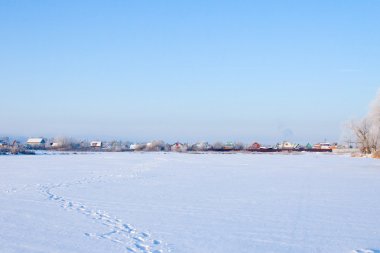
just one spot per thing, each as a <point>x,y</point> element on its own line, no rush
<point>74,145</point>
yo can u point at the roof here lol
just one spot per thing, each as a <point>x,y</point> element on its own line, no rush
<point>35,140</point>
<point>96,143</point>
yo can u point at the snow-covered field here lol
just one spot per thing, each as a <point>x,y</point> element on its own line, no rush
<point>189,203</point>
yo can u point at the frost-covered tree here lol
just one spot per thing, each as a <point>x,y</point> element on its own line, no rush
<point>63,143</point>
<point>239,146</point>
<point>217,145</point>
<point>116,146</point>
<point>362,132</point>
<point>156,145</point>
<point>367,130</point>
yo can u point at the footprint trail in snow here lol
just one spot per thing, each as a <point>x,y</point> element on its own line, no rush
<point>124,234</point>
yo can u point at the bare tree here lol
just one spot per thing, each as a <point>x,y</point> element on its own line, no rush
<point>217,145</point>
<point>367,130</point>
<point>362,131</point>
<point>239,146</point>
<point>156,145</point>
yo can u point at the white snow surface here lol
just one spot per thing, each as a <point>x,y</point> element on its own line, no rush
<point>189,203</point>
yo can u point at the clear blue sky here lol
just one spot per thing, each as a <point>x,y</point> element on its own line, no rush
<point>187,70</point>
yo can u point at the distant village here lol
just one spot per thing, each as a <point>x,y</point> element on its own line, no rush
<point>8,146</point>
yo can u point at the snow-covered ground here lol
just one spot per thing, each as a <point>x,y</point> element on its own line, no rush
<point>189,203</point>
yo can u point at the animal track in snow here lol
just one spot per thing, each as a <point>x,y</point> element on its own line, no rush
<point>121,233</point>
<point>365,251</point>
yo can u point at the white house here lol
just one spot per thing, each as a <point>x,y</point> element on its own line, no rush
<point>155,146</point>
<point>35,141</point>
<point>4,142</point>
<point>285,145</point>
<point>96,144</point>
<point>323,145</point>
<point>201,146</point>
<point>137,146</point>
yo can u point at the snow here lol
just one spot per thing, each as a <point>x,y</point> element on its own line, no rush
<point>169,202</point>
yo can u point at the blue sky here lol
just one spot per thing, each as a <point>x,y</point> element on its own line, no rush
<point>187,70</point>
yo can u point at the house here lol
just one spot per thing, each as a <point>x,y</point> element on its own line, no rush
<point>285,145</point>
<point>322,145</point>
<point>155,146</point>
<point>201,146</point>
<point>35,142</point>
<point>298,147</point>
<point>3,144</point>
<point>229,146</point>
<point>178,147</point>
<point>255,146</point>
<point>137,146</point>
<point>96,144</point>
